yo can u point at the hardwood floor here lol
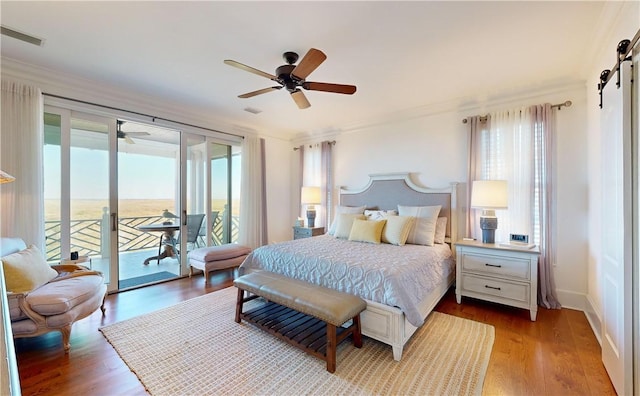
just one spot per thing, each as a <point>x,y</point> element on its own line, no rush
<point>556,355</point>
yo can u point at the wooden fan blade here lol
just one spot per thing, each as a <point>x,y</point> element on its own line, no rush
<point>312,59</point>
<point>129,140</point>
<point>259,92</point>
<point>250,69</point>
<point>300,99</point>
<point>328,87</point>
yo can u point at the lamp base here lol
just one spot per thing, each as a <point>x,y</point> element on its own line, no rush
<point>488,225</point>
<point>311,218</point>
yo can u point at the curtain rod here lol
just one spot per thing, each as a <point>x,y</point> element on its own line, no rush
<point>567,103</point>
<point>153,118</point>
<point>331,143</point>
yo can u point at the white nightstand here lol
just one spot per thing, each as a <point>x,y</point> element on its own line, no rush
<point>499,274</point>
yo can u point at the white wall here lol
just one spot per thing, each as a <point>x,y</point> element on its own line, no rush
<point>624,24</point>
<point>433,147</point>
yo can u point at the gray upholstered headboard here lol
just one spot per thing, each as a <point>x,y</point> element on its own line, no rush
<point>387,191</point>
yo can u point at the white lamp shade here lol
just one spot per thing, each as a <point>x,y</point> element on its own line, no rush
<point>489,194</point>
<point>310,195</point>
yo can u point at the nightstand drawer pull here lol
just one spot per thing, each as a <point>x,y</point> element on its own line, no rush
<point>493,265</point>
<point>492,287</point>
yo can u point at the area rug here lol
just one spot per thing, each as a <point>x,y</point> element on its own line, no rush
<point>141,280</point>
<point>196,348</point>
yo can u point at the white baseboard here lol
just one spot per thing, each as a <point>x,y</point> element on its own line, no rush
<point>572,300</point>
<point>593,316</point>
<point>582,302</point>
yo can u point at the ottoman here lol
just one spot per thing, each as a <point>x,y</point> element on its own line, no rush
<point>213,258</point>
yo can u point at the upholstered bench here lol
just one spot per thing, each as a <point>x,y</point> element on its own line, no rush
<point>213,258</point>
<point>305,315</point>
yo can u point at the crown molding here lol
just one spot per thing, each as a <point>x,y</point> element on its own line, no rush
<point>78,88</point>
<point>476,104</point>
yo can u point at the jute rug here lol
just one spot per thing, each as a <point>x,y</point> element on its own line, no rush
<point>196,348</point>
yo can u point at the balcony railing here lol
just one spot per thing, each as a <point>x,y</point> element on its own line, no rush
<point>91,237</point>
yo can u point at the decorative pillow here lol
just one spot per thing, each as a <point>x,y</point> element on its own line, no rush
<point>397,228</point>
<point>423,232</point>
<point>366,230</point>
<point>441,230</point>
<point>344,209</point>
<point>380,214</point>
<point>344,222</point>
<point>27,270</point>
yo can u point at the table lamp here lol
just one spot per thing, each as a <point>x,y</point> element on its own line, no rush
<point>489,195</point>
<point>310,196</point>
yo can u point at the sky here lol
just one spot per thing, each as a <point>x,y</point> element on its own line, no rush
<point>140,176</point>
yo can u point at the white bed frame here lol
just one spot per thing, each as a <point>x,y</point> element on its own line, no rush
<point>385,191</point>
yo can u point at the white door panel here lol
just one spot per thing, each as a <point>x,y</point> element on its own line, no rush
<point>617,232</point>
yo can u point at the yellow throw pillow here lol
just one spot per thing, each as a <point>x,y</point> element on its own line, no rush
<point>397,229</point>
<point>367,230</point>
<point>344,221</point>
<point>26,270</point>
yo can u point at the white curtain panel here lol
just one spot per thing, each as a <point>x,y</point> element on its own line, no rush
<point>21,146</point>
<point>518,146</point>
<point>253,197</point>
<point>326,181</point>
<point>544,124</point>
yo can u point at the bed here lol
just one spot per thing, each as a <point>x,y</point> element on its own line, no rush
<point>401,284</point>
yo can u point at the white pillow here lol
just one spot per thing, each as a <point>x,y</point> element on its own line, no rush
<point>344,222</point>
<point>344,209</point>
<point>424,230</point>
<point>380,214</point>
<point>441,230</point>
<point>397,228</point>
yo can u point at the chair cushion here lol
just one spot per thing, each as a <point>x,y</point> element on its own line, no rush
<point>217,264</point>
<point>26,270</point>
<point>222,252</point>
<point>60,296</point>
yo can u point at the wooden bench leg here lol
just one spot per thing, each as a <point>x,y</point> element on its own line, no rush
<point>239,303</point>
<point>331,348</point>
<point>357,334</point>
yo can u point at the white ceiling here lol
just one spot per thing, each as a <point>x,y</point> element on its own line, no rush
<point>400,55</point>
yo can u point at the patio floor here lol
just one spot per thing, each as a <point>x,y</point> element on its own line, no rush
<point>131,264</point>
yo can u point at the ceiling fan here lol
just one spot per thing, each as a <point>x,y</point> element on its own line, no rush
<point>293,77</point>
<point>127,135</point>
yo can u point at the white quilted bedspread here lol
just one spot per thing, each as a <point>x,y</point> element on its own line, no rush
<point>399,276</point>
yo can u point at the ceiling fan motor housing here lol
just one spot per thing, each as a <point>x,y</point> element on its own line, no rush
<point>284,77</point>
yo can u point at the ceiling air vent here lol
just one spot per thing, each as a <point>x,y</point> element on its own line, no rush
<point>252,110</point>
<point>21,36</point>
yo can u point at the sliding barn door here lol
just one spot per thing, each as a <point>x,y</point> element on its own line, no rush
<point>617,232</point>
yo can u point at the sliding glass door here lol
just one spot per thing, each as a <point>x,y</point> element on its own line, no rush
<point>148,168</point>
<point>131,198</point>
<point>76,188</point>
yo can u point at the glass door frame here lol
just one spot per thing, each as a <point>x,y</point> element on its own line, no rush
<point>66,115</point>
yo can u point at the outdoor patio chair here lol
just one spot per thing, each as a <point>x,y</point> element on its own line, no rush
<point>194,224</point>
<point>202,234</point>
